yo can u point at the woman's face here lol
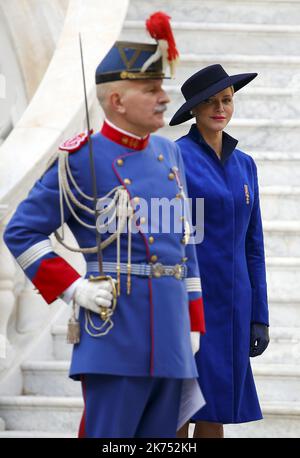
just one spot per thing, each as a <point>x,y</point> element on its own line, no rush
<point>214,114</point>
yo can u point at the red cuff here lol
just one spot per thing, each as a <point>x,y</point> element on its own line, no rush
<point>53,277</point>
<point>197,315</point>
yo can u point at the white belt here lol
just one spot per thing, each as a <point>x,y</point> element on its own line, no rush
<point>156,270</point>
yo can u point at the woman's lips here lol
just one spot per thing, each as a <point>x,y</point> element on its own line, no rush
<point>218,118</point>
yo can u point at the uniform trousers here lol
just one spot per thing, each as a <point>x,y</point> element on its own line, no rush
<point>121,406</point>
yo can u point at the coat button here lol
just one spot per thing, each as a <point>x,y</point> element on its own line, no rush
<point>153,258</point>
<point>151,239</point>
<point>136,199</point>
<point>120,162</point>
<point>160,157</point>
<point>179,196</point>
<point>127,181</point>
<point>142,220</point>
<point>171,176</point>
<point>184,259</point>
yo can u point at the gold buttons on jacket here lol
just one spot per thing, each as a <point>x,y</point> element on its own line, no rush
<point>184,259</point>
<point>179,196</point>
<point>151,239</point>
<point>171,176</point>
<point>127,181</point>
<point>160,158</point>
<point>142,220</point>
<point>153,258</point>
<point>120,162</point>
<point>136,199</point>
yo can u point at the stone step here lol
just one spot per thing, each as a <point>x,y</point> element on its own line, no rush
<point>282,169</point>
<point>251,102</point>
<point>229,11</point>
<point>253,134</point>
<point>273,71</point>
<point>61,349</point>
<point>253,39</point>
<point>277,168</point>
<point>282,238</point>
<point>36,435</point>
<point>280,203</point>
<point>2,425</point>
<point>283,349</point>
<point>283,277</point>
<point>281,420</point>
<point>284,331</point>
<point>284,312</point>
<point>49,378</point>
<point>51,414</point>
<point>276,382</point>
<point>30,414</point>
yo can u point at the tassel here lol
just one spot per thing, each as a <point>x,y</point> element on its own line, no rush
<point>73,333</point>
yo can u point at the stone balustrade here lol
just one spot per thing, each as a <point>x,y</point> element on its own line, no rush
<point>56,111</point>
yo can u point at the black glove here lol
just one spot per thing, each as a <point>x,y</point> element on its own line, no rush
<point>259,339</point>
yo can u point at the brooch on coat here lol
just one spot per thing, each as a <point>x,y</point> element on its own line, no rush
<point>247,194</point>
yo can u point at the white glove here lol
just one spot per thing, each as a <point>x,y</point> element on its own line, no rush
<point>93,295</point>
<point>195,341</point>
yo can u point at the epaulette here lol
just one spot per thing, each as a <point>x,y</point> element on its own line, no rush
<point>75,143</point>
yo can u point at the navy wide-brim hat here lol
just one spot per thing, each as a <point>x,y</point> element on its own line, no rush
<point>204,84</point>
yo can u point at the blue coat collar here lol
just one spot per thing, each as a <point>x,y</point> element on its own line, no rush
<point>228,143</point>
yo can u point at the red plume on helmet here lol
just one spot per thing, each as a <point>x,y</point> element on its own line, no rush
<point>159,27</point>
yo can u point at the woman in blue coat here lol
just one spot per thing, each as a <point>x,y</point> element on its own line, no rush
<point>231,255</point>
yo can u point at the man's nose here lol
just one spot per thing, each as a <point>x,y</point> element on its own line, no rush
<point>164,98</point>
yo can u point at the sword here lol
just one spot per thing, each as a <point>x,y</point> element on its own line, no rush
<point>105,312</point>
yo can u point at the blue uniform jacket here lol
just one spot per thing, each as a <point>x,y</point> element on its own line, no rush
<point>231,259</point>
<point>151,333</point>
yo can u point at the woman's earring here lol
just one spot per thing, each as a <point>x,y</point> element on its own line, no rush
<point>191,112</point>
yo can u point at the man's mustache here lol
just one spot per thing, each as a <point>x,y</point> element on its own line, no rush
<point>160,108</point>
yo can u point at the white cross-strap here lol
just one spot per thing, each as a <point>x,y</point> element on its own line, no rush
<point>34,253</point>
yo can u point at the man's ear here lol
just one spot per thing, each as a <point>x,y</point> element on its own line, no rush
<point>116,102</point>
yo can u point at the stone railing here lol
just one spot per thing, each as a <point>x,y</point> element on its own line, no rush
<point>55,112</point>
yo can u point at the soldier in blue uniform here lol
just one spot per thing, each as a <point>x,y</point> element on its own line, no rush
<point>231,256</point>
<point>134,357</point>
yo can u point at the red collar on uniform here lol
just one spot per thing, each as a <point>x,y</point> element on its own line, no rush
<point>124,138</point>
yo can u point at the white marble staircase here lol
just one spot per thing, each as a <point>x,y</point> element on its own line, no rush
<point>51,404</point>
<point>242,35</point>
